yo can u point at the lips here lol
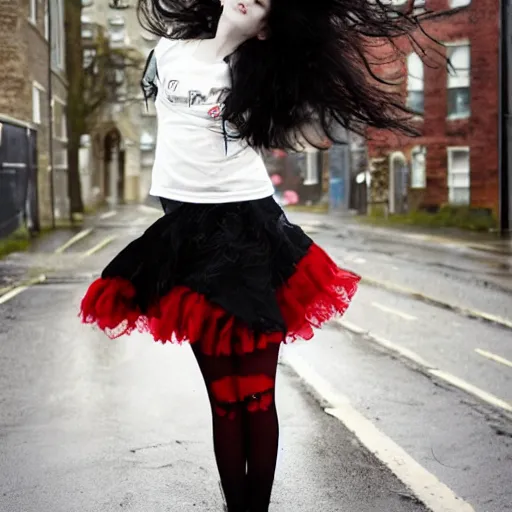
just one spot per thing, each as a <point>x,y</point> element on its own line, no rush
<point>241,7</point>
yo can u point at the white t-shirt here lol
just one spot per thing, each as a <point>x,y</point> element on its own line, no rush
<point>194,160</point>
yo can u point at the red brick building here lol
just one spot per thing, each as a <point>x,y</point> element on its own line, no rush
<point>455,160</point>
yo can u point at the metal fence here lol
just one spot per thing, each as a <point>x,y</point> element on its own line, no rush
<point>18,178</point>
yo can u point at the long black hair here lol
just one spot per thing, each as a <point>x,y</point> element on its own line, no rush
<point>318,64</point>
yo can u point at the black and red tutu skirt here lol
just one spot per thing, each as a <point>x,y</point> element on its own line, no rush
<point>232,277</point>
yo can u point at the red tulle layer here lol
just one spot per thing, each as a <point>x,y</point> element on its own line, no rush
<point>317,291</point>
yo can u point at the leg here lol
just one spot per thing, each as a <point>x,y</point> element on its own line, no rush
<point>257,378</point>
<point>229,439</point>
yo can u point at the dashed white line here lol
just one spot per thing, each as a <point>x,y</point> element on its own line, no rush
<point>106,241</point>
<point>494,357</point>
<point>429,367</point>
<point>16,291</point>
<point>432,492</point>
<point>73,240</point>
<point>107,215</point>
<point>393,311</point>
<point>473,390</point>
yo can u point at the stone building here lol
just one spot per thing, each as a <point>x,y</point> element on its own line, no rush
<point>455,159</point>
<point>32,84</point>
<point>117,155</point>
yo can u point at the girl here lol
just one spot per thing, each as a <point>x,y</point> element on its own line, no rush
<point>223,268</point>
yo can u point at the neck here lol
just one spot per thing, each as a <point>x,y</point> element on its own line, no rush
<point>227,39</point>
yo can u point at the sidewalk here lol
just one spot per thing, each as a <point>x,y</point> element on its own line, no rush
<point>444,237</point>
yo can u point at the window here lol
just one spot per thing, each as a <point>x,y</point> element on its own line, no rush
<point>459,3</point>
<point>46,23</point>
<point>419,167</point>
<point>415,84</point>
<point>37,91</point>
<point>89,57</point>
<point>116,21</point>
<point>59,119</point>
<point>147,146</point>
<point>57,35</point>
<point>87,3</point>
<point>32,12</point>
<point>459,81</point>
<point>311,168</point>
<point>458,176</point>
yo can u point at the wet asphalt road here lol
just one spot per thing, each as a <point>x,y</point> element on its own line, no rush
<point>91,424</point>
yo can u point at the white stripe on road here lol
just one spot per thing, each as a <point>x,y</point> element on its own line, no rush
<point>473,390</point>
<point>16,291</point>
<point>494,357</point>
<point>73,240</point>
<point>98,247</point>
<point>393,311</point>
<point>388,345</point>
<point>433,493</point>
<point>144,208</point>
<point>107,215</point>
<point>430,368</point>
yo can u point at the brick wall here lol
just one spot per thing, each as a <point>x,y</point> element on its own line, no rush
<point>15,99</point>
<point>24,54</point>
<point>478,23</point>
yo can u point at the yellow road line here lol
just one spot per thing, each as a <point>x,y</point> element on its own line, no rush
<point>99,246</point>
<point>73,240</point>
<point>494,357</point>
<point>18,289</point>
<point>393,311</point>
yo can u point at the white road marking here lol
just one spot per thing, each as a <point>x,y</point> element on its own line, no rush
<point>393,311</point>
<point>494,357</point>
<point>107,215</point>
<point>16,291</point>
<point>99,246</point>
<point>149,209</point>
<point>471,313</point>
<point>473,390</point>
<point>429,367</point>
<point>73,240</point>
<point>432,492</point>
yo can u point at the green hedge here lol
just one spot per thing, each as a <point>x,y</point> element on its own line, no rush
<point>462,217</point>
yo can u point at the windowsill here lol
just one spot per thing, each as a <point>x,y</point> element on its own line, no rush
<point>458,117</point>
<point>423,187</point>
<point>309,182</point>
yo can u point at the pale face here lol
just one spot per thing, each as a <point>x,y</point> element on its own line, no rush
<point>247,16</point>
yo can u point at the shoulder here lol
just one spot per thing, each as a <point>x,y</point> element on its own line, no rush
<point>169,47</point>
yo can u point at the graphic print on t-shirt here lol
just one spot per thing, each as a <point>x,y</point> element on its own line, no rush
<point>193,97</point>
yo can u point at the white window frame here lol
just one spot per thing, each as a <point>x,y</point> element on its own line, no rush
<point>63,136</point>
<point>46,20</point>
<point>32,12</point>
<point>459,3</point>
<point>453,81</point>
<point>418,181</point>
<point>449,173</point>
<point>312,168</point>
<point>415,83</point>
<point>57,38</point>
<point>37,89</point>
